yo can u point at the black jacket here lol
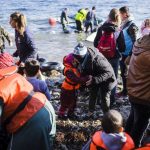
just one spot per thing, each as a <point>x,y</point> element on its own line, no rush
<point>107,27</point>
<point>96,64</point>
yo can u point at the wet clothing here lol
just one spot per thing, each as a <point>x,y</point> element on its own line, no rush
<point>25,46</point>
<point>14,90</point>
<point>64,19</point>
<point>90,18</point>
<point>104,79</point>
<point>138,85</point>
<point>112,141</point>
<point>79,18</point>
<point>3,34</point>
<point>39,86</point>
<point>6,60</point>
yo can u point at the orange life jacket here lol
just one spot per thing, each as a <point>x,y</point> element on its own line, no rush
<point>14,88</point>
<point>68,84</point>
<point>98,142</point>
<point>146,147</point>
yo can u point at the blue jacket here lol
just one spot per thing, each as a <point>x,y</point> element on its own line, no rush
<point>39,86</point>
<point>25,45</point>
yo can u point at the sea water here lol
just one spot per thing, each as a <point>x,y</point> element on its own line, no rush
<point>51,42</point>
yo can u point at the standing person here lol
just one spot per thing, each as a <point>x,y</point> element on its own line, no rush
<point>32,71</point>
<point>4,35</point>
<point>102,78</point>
<point>145,28</point>
<point>109,32</point>
<point>64,18</point>
<point>112,136</point>
<point>24,42</point>
<point>125,42</point>
<point>80,17</point>
<point>90,19</point>
<point>69,88</point>
<point>33,125</point>
<point>139,89</point>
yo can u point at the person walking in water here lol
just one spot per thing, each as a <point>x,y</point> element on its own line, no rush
<point>24,41</point>
<point>90,19</point>
<point>64,19</point>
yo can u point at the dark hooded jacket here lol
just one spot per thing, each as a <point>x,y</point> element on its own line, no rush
<point>107,27</point>
<point>96,64</point>
<point>139,72</point>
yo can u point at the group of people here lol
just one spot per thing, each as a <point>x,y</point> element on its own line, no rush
<point>84,18</point>
<point>117,45</point>
<point>27,118</point>
<point>25,109</point>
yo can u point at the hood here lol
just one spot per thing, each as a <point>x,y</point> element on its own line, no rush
<point>113,141</point>
<point>142,45</point>
<point>68,60</point>
<point>109,27</point>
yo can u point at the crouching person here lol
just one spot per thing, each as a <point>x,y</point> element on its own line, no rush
<point>26,115</point>
<point>69,88</point>
<point>112,136</point>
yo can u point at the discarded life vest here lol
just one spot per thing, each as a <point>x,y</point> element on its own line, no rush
<point>68,84</point>
<point>97,142</point>
<point>14,89</point>
<point>6,60</point>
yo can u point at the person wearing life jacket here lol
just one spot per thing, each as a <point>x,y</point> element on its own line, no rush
<point>26,115</point>
<point>69,88</point>
<point>112,136</point>
<point>80,17</point>
<point>125,42</point>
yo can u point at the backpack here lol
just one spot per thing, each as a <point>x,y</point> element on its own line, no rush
<point>107,45</point>
<point>124,41</point>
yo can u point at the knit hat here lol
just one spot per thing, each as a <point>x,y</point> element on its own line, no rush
<point>80,49</point>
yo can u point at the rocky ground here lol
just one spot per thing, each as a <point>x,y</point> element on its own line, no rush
<point>73,134</point>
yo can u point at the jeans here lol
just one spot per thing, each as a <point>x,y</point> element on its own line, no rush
<point>115,64</point>
<point>123,68</point>
<point>99,94</point>
<point>137,121</point>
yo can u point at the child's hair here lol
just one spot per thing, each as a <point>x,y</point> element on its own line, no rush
<point>93,8</point>
<point>20,20</point>
<point>32,67</point>
<point>112,122</point>
<point>125,9</point>
<point>147,23</point>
